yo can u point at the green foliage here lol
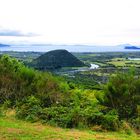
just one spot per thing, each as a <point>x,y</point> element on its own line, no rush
<point>57,115</point>
<point>2,111</point>
<point>41,96</point>
<point>85,81</point>
<point>81,110</point>
<point>123,93</point>
<point>29,109</point>
<point>13,85</point>
<point>125,126</point>
<point>18,82</point>
<point>135,123</point>
<point>110,120</point>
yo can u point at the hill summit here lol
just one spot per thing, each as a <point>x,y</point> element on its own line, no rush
<point>56,59</point>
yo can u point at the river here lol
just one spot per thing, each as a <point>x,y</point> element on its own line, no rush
<point>69,72</point>
<point>93,66</point>
<point>133,58</point>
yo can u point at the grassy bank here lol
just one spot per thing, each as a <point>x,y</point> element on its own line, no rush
<point>12,129</point>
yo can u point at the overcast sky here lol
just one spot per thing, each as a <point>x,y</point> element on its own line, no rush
<point>97,22</point>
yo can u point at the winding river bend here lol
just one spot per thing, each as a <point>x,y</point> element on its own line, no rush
<point>93,66</point>
<point>67,72</point>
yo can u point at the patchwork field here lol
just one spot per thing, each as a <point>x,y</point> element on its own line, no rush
<point>122,62</point>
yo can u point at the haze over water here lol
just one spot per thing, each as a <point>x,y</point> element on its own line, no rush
<point>71,48</point>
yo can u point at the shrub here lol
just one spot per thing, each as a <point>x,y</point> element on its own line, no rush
<point>2,111</point>
<point>110,121</point>
<point>29,110</point>
<point>135,123</point>
<point>122,94</point>
<point>57,115</point>
<point>125,126</point>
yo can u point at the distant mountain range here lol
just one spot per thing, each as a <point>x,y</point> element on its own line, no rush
<point>132,47</point>
<point>4,45</point>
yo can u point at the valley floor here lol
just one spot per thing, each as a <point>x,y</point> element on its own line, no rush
<point>12,129</point>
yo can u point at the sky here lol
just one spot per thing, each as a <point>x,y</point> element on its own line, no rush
<point>96,22</point>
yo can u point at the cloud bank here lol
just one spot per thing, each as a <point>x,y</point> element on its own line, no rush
<point>15,33</point>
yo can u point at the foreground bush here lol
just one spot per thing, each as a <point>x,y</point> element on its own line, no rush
<point>29,110</point>
<point>81,110</point>
<point>122,94</point>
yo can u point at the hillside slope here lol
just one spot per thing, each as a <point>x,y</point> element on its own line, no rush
<point>56,59</point>
<point>12,129</point>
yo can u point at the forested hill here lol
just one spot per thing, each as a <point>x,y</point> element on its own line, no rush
<point>56,59</point>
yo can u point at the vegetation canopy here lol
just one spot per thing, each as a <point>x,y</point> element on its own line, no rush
<point>44,97</point>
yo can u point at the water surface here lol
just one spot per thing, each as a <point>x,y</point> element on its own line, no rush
<point>71,48</point>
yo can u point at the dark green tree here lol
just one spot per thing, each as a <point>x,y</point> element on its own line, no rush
<point>122,93</point>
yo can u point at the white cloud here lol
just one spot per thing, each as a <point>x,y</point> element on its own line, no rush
<point>74,21</point>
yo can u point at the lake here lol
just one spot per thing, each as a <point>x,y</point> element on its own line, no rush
<point>71,48</point>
